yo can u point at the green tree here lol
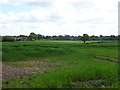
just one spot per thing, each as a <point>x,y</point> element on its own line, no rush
<point>39,36</point>
<point>8,39</point>
<point>32,36</point>
<point>85,38</point>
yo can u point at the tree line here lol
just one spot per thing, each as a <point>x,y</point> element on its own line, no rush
<point>32,37</point>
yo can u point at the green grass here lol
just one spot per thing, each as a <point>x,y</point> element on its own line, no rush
<point>21,64</point>
<point>78,69</point>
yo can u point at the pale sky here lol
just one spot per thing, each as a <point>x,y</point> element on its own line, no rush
<point>59,17</point>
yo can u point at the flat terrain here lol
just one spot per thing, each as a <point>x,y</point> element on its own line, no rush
<point>60,64</point>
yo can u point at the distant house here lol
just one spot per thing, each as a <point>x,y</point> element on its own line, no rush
<point>21,38</point>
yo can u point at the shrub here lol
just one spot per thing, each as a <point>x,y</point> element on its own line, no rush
<point>8,39</point>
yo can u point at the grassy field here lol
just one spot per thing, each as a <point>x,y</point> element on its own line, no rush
<point>78,65</point>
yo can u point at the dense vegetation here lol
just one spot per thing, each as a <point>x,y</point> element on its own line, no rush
<point>8,39</point>
<point>79,65</point>
<point>34,36</point>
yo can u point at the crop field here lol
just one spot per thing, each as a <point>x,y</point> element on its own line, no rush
<point>60,64</point>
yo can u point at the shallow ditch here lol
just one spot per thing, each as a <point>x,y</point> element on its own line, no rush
<point>36,46</point>
<point>109,60</point>
<point>88,84</point>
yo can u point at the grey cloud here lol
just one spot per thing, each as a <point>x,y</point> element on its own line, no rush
<point>30,3</point>
<point>94,21</point>
<point>29,19</point>
<point>83,4</point>
<point>54,17</point>
<point>41,4</point>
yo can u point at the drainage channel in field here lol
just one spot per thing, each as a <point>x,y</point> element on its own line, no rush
<point>36,46</point>
<point>105,59</point>
<point>88,83</point>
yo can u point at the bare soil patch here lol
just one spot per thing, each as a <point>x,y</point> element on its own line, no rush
<point>11,70</point>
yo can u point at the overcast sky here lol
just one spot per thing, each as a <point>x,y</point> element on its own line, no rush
<point>59,17</point>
